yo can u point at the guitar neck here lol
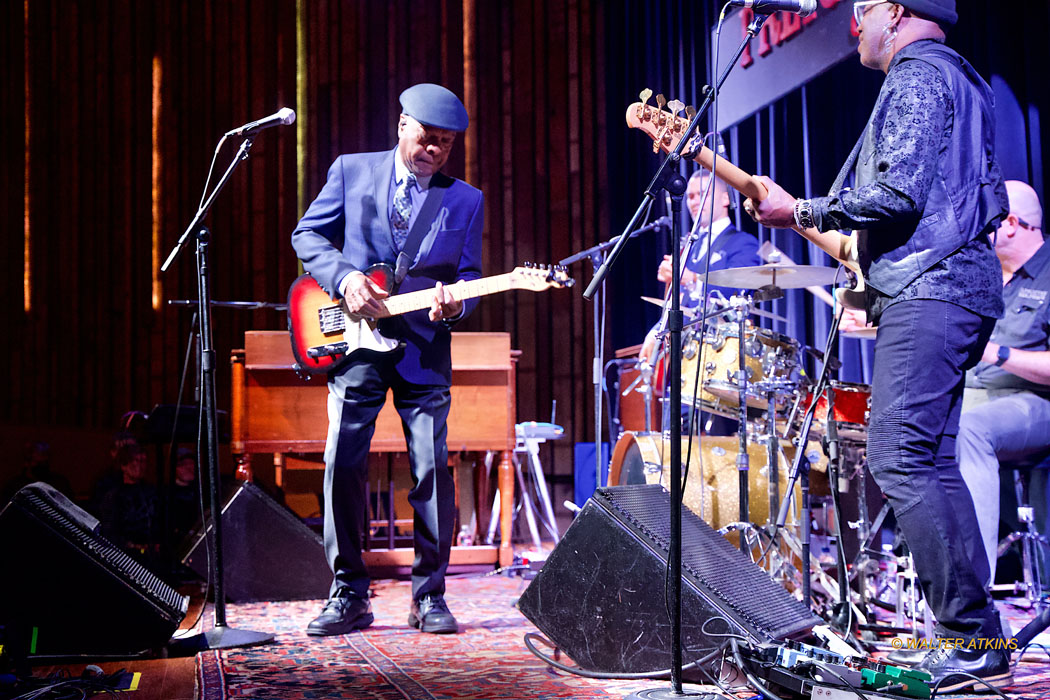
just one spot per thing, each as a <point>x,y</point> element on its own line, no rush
<point>423,298</point>
<point>833,243</point>
<point>730,174</point>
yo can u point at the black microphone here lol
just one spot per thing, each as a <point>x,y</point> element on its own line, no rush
<point>768,7</point>
<point>281,116</point>
<point>662,222</point>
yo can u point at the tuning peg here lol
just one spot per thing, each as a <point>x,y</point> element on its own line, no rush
<point>644,111</point>
<point>675,106</point>
<point>690,112</point>
<point>661,100</point>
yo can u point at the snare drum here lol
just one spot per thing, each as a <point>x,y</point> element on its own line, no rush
<point>767,355</point>
<point>852,408</point>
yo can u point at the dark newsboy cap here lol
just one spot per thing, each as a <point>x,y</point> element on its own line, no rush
<point>433,105</point>
<point>940,11</point>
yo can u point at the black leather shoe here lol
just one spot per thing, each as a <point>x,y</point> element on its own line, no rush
<point>342,613</point>
<point>430,614</point>
<point>948,666</point>
<point>908,658</point>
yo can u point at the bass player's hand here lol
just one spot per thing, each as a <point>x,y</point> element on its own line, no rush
<point>777,210</point>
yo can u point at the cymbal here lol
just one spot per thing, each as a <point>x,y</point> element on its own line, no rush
<point>862,333</point>
<point>778,274</point>
<point>690,313</point>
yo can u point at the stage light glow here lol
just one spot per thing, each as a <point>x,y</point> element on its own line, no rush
<point>27,249</point>
<point>157,291</point>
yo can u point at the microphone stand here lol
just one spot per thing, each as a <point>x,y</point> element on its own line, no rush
<point>666,178</point>
<point>596,255</point>
<point>220,636</point>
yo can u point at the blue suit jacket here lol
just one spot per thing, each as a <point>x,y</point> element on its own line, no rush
<point>732,248</point>
<point>347,228</point>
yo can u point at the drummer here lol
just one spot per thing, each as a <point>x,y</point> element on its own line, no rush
<point>727,246</point>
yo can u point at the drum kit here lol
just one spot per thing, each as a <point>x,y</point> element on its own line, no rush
<point>737,370</point>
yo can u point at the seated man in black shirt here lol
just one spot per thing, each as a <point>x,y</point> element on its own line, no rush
<point>1006,405</point>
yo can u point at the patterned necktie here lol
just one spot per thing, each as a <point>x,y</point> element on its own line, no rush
<point>704,239</point>
<point>402,211</point>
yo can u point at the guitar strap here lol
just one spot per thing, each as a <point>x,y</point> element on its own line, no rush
<point>439,184</point>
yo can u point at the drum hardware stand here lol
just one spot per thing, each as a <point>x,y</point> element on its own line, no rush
<point>742,459</point>
<point>740,306</point>
<point>864,568</point>
<point>800,470</point>
<point>220,636</point>
<point>599,262</point>
<point>842,618</point>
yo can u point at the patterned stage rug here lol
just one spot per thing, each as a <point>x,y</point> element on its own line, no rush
<point>391,661</point>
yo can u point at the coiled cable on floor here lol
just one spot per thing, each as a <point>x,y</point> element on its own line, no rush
<point>530,636</point>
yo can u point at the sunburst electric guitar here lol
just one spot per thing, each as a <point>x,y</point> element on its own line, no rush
<point>325,334</point>
<point>666,128</point>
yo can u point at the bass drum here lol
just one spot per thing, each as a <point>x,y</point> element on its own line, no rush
<point>644,458</point>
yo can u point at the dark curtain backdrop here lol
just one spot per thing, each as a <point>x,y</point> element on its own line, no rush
<point>547,83</point>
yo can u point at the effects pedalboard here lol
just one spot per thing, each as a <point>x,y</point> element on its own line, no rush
<point>804,671</point>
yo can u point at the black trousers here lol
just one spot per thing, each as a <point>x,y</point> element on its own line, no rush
<point>922,352</point>
<point>355,396</point>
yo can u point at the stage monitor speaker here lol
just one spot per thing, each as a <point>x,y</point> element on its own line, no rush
<point>269,553</point>
<point>600,595</point>
<point>71,592</point>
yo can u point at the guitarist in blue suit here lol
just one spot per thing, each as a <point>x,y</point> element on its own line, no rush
<point>394,207</point>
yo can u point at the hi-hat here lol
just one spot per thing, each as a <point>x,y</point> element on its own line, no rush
<point>774,274</point>
<point>690,313</point>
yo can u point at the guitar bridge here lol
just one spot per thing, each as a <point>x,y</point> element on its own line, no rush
<point>331,319</point>
<point>329,350</point>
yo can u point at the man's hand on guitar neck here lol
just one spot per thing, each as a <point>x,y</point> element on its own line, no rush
<point>362,295</point>
<point>444,306</point>
<point>777,210</point>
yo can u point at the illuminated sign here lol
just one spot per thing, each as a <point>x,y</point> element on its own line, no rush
<point>789,51</point>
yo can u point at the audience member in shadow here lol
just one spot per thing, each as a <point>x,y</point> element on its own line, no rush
<point>126,505</point>
<point>36,466</point>
<point>185,496</point>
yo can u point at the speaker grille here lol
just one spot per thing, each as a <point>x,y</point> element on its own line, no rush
<point>715,566</point>
<point>119,564</point>
<point>601,594</point>
<point>68,591</point>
